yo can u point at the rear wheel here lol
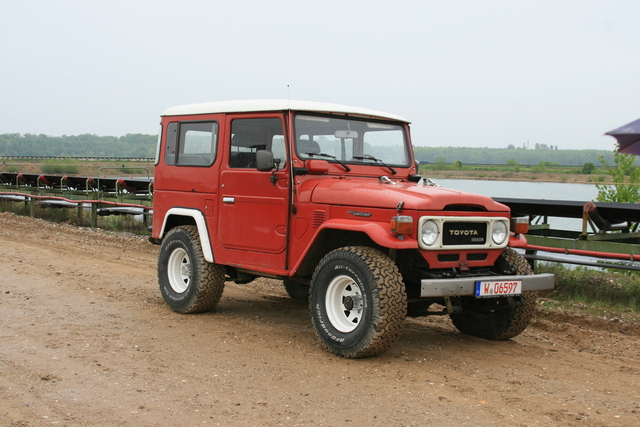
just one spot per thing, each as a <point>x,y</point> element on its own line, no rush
<point>495,318</point>
<point>188,283</point>
<point>358,301</point>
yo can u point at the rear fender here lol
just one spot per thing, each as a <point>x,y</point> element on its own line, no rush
<point>198,218</point>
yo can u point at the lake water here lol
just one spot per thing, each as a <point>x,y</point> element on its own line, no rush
<point>524,190</point>
<point>530,190</point>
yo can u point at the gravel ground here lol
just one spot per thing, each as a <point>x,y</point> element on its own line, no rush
<point>86,340</point>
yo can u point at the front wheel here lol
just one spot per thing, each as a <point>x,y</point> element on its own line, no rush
<point>358,301</point>
<point>493,318</point>
<point>188,283</point>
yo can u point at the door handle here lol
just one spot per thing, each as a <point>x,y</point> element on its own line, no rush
<point>228,200</point>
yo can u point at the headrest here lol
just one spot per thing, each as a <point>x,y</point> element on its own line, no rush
<point>247,139</point>
<point>307,146</point>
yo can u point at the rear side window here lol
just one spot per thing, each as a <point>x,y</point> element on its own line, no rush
<point>172,137</point>
<point>158,147</point>
<point>191,143</point>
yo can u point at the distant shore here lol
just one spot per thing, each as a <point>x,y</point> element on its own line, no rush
<point>94,167</point>
<point>518,176</point>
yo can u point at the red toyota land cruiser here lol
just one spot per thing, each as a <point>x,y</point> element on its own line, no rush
<point>327,199</point>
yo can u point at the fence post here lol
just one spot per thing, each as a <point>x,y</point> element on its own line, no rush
<point>31,204</point>
<point>80,212</point>
<point>94,215</point>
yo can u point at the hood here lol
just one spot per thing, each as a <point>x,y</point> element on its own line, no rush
<point>373,194</point>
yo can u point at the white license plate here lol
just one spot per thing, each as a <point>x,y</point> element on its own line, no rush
<point>504,288</point>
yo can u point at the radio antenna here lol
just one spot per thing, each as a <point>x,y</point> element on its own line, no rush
<point>288,98</point>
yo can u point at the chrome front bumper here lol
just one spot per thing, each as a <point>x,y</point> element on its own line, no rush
<point>466,286</point>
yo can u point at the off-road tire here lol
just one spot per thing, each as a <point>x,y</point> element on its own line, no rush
<point>500,323</point>
<point>358,301</point>
<point>296,290</point>
<point>188,283</point>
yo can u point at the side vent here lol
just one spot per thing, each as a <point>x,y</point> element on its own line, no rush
<point>319,217</point>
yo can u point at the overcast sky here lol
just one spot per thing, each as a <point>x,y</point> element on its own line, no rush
<point>465,73</point>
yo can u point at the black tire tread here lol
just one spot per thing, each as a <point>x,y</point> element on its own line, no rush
<point>502,326</point>
<point>523,314</point>
<point>208,291</point>
<point>392,302</point>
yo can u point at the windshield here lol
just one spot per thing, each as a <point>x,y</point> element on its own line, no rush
<point>353,141</point>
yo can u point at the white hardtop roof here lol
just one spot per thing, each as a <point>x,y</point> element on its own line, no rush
<point>246,106</point>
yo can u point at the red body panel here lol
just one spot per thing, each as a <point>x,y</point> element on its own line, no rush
<point>269,221</point>
<point>370,193</point>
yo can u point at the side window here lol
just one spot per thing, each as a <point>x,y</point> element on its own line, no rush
<point>250,135</point>
<point>172,137</point>
<point>158,147</point>
<point>198,143</point>
<point>278,149</point>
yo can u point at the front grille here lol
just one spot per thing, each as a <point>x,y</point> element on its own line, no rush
<point>448,257</point>
<point>464,233</point>
<point>476,257</point>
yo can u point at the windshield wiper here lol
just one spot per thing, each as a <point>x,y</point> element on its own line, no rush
<point>347,168</point>
<point>370,157</point>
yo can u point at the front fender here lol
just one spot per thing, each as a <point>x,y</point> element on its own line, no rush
<point>517,241</point>
<point>380,233</point>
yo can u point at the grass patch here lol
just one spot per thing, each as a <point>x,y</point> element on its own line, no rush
<point>61,167</point>
<point>551,309</point>
<point>116,223</point>
<point>18,208</point>
<point>601,289</point>
<point>123,223</point>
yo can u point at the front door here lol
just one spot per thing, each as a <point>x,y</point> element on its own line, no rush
<point>254,212</point>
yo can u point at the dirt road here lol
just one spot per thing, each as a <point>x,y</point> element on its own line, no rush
<point>86,340</point>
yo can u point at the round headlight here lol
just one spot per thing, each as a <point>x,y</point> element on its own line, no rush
<point>429,232</point>
<point>499,232</point>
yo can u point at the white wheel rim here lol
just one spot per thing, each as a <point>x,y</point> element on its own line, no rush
<point>343,302</point>
<point>179,270</point>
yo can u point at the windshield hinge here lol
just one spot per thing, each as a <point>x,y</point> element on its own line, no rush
<point>386,180</point>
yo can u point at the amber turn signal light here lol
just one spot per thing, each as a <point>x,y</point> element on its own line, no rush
<point>402,224</point>
<point>520,224</point>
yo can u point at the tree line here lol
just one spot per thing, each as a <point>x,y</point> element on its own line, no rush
<point>130,145</point>
<point>141,145</point>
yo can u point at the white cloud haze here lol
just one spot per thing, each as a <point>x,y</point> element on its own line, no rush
<point>466,73</point>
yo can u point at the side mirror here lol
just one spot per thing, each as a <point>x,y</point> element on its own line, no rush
<point>264,160</point>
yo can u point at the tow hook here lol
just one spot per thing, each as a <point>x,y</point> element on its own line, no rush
<point>450,307</point>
